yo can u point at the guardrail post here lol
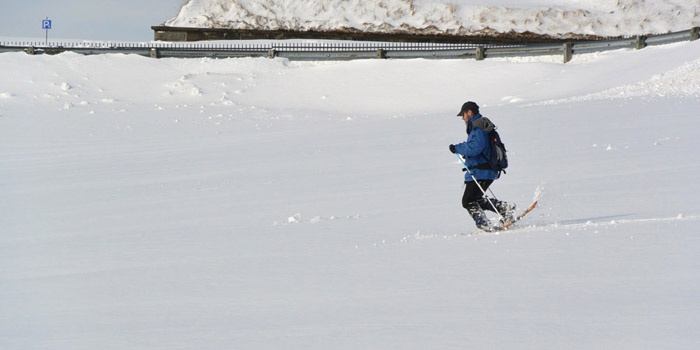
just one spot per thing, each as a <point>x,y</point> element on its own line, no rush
<point>154,52</point>
<point>271,53</point>
<point>480,53</point>
<point>641,42</point>
<point>30,50</point>
<point>568,52</point>
<point>381,53</point>
<point>694,33</point>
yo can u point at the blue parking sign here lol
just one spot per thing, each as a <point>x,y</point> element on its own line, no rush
<point>46,24</point>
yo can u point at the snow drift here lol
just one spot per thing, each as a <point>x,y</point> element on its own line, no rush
<point>463,17</point>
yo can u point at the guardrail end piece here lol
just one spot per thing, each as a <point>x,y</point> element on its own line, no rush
<point>694,33</point>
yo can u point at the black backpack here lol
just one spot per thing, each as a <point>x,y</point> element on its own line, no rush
<point>498,160</point>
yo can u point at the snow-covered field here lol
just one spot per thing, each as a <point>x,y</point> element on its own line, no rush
<point>465,17</point>
<point>267,204</point>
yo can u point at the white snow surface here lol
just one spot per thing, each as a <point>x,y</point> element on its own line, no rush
<point>267,204</point>
<point>464,17</point>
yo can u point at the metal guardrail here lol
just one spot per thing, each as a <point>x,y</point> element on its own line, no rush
<point>351,50</point>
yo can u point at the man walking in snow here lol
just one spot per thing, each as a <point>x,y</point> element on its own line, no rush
<point>476,152</point>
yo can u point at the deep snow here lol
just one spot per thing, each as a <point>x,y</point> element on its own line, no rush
<point>267,204</point>
<point>465,17</point>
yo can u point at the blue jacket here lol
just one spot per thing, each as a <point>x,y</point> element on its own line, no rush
<point>476,149</point>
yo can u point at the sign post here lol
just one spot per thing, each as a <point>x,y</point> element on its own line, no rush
<point>46,24</point>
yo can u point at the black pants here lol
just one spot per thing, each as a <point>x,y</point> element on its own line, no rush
<point>472,193</point>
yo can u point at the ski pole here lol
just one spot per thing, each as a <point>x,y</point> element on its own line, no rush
<point>466,168</point>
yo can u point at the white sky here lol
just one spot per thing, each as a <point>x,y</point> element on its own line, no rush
<point>118,20</point>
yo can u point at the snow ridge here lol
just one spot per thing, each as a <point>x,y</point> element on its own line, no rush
<point>683,81</point>
<point>463,17</point>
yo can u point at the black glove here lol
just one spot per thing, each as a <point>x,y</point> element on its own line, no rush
<point>453,149</point>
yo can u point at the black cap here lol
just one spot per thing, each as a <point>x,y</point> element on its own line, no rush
<point>468,106</point>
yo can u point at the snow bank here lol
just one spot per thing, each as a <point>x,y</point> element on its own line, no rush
<point>465,17</point>
<point>681,82</point>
